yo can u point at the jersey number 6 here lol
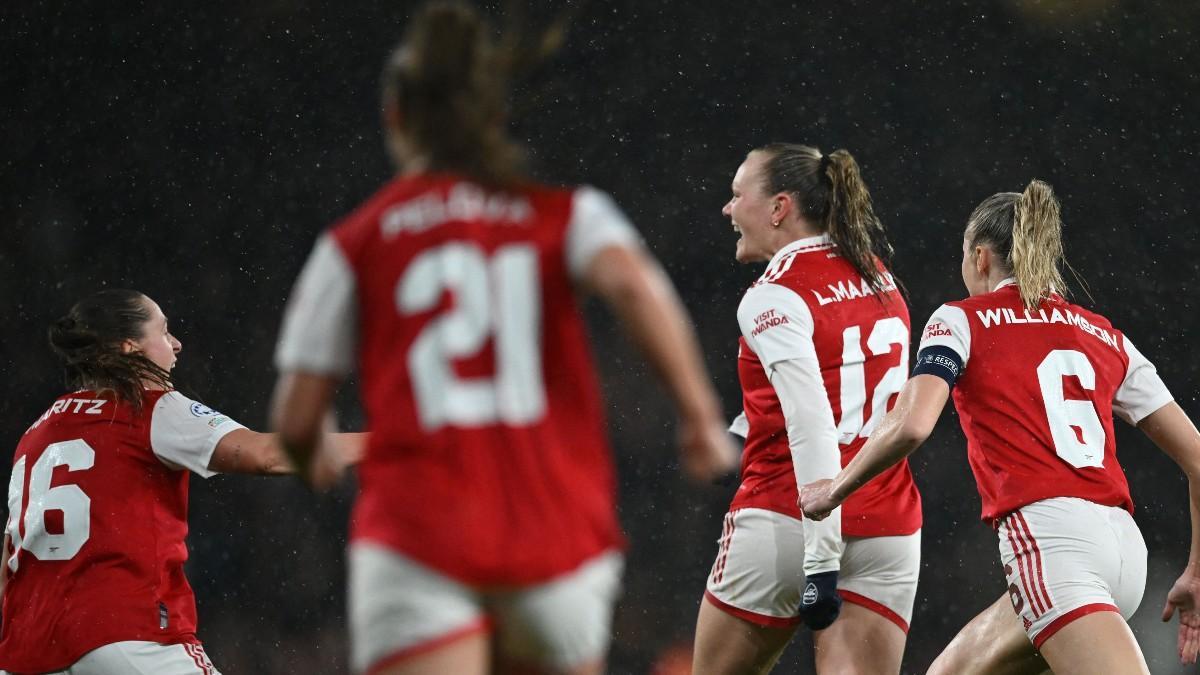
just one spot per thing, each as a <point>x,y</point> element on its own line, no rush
<point>74,504</point>
<point>1074,425</point>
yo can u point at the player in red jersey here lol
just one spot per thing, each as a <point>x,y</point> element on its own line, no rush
<point>485,532</point>
<point>823,352</point>
<point>1036,382</point>
<point>94,544</point>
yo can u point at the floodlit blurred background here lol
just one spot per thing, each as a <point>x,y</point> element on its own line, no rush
<point>194,150</point>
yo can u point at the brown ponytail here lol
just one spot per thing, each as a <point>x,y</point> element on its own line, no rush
<point>89,338</point>
<point>1025,230</point>
<point>833,196</point>
<point>448,81</point>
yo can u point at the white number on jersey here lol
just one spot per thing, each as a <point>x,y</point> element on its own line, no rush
<point>886,333</point>
<point>1074,425</point>
<point>498,298</point>
<point>75,505</point>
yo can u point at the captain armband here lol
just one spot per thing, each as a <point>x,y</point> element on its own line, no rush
<point>940,361</point>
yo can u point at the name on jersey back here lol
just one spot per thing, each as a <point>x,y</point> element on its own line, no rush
<point>1004,315</point>
<point>849,289</point>
<point>94,407</point>
<point>464,202</point>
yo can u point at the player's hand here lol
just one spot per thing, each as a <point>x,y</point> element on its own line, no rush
<point>335,454</point>
<point>821,604</point>
<point>1185,597</point>
<point>706,451</point>
<point>817,501</point>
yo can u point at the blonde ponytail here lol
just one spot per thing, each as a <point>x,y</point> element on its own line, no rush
<point>1037,246</point>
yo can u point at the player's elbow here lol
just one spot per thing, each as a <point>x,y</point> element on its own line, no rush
<point>911,432</point>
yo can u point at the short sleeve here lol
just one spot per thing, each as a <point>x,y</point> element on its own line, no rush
<point>184,432</point>
<point>945,345</point>
<point>948,327</point>
<point>740,426</point>
<point>776,323</point>
<point>320,322</point>
<point>596,222</point>
<point>1142,392</point>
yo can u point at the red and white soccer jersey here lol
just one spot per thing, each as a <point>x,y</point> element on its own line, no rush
<point>97,520</point>
<point>812,302</point>
<point>487,459</point>
<point>1036,392</point>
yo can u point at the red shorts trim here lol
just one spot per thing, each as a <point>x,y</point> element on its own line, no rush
<point>753,617</point>
<point>879,608</point>
<point>1062,621</point>
<point>481,626</point>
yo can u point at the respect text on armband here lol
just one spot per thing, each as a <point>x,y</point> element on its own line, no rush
<point>940,360</point>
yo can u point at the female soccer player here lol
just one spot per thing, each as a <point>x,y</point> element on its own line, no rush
<point>484,534</point>
<point>823,352</point>
<point>94,544</point>
<point>1036,381</point>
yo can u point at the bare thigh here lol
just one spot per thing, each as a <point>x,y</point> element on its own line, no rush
<point>728,645</point>
<point>860,641</point>
<point>993,643</point>
<point>1096,643</point>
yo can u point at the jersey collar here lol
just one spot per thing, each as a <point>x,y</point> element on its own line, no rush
<point>821,241</point>
<point>1010,281</point>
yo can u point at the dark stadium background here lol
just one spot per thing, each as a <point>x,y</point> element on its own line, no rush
<point>194,150</point>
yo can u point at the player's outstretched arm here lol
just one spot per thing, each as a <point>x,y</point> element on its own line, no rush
<point>637,290</point>
<point>901,431</point>
<point>1172,431</point>
<point>299,414</point>
<point>251,452</point>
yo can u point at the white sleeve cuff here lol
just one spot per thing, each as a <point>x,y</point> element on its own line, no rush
<point>185,433</point>
<point>596,223</point>
<point>1142,392</point>
<point>319,333</point>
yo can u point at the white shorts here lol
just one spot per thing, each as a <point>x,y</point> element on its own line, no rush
<point>1065,558</point>
<point>142,658</point>
<point>400,608</point>
<point>759,571</point>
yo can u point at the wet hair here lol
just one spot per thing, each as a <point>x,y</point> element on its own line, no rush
<point>448,80</point>
<point>1025,230</point>
<point>89,338</point>
<point>832,196</point>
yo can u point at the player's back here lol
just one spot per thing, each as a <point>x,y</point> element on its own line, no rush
<point>98,526</point>
<point>861,340</point>
<point>488,456</point>
<point>1036,400</point>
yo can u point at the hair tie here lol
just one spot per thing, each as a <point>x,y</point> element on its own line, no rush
<point>825,162</point>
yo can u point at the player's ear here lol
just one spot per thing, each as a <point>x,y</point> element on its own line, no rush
<point>391,116</point>
<point>129,346</point>
<point>983,260</point>
<point>781,206</point>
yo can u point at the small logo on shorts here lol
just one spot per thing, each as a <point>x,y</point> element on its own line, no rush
<point>810,594</point>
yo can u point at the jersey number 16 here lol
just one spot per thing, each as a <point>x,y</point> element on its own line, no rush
<point>75,505</point>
